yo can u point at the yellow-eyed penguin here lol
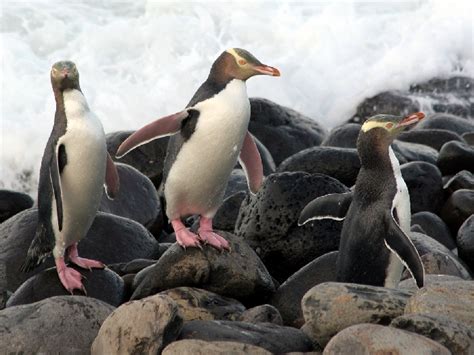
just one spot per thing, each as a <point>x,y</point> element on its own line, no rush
<point>74,169</point>
<point>374,243</point>
<point>207,138</point>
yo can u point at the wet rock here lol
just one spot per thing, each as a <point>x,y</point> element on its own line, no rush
<point>139,327</point>
<point>199,304</point>
<point>238,274</point>
<point>453,299</point>
<point>449,122</point>
<point>377,339</point>
<point>61,324</point>
<point>455,336</point>
<point>462,180</point>
<point>104,285</point>
<point>430,279</point>
<point>342,164</point>
<point>282,130</point>
<point>148,158</point>
<point>268,222</point>
<point>456,156</point>
<point>434,138</point>
<point>331,307</point>
<point>201,347</point>
<point>434,227</point>
<point>287,299</point>
<point>468,137</point>
<point>111,239</point>
<point>264,313</point>
<point>227,214</point>
<point>237,182</point>
<point>425,186</point>
<point>13,202</point>
<point>458,207</point>
<point>465,241</point>
<point>137,198</point>
<point>267,160</point>
<point>414,152</point>
<point>272,337</point>
<point>344,136</point>
<point>131,267</point>
<point>436,258</point>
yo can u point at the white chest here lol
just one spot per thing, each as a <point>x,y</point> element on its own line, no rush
<point>401,201</point>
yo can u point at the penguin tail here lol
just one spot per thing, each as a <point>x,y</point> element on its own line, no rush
<point>41,247</point>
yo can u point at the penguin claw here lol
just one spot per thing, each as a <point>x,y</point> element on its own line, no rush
<point>186,238</point>
<point>214,240</point>
<point>71,280</point>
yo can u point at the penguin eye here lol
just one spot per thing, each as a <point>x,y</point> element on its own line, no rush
<point>389,125</point>
<point>242,62</point>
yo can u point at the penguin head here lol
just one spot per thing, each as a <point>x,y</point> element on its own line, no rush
<point>64,75</point>
<point>237,63</point>
<point>379,131</point>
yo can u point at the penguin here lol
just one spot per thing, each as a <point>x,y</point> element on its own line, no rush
<point>206,140</point>
<point>374,243</point>
<point>74,167</point>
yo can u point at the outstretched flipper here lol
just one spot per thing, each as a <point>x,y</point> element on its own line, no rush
<point>162,127</point>
<point>112,180</point>
<point>400,244</point>
<point>251,162</point>
<point>332,206</point>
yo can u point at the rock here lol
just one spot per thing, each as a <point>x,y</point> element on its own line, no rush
<point>455,336</point>
<point>462,180</point>
<point>198,304</point>
<point>131,267</point>
<point>267,160</point>
<point>139,327</point>
<point>111,239</point>
<point>228,212</point>
<point>137,198</point>
<point>237,182</point>
<point>344,136</point>
<point>436,258</point>
<point>458,207</point>
<point>268,222</point>
<point>238,274</point>
<point>272,337</point>
<point>430,279</point>
<point>13,202</point>
<point>201,347</point>
<point>377,339</point>
<point>104,285</point>
<point>282,130</point>
<point>128,286</point>
<point>61,324</point>
<point>434,227</point>
<point>425,186</point>
<point>342,164</point>
<point>465,241</point>
<point>468,137</point>
<point>446,121</point>
<point>331,307</point>
<point>434,138</point>
<point>148,158</point>
<point>456,156</point>
<point>454,299</point>
<point>264,313</point>
<point>414,152</point>
<point>287,299</point>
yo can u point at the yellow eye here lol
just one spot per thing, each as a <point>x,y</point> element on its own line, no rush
<point>242,62</point>
<point>389,125</point>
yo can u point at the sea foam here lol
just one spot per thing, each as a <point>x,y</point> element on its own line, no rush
<point>139,60</point>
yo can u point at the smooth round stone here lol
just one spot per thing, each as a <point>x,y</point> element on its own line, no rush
<point>465,241</point>
<point>264,313</point>
<point>131,267</point>
<point>13,202</point>
<point>468,137</point>
<point>446,121</point>
<point>228,212</point>
<point>430,279</point>
<point>425,186</point>
<point>458,208</point>
<point>414,152</point>
<point>268,163</point>
<point>456,156</point>
<point>201,347</point>
<point>434,138</point>
<point>462,180</point>
<point>344,136</point>
<point>434,226</point>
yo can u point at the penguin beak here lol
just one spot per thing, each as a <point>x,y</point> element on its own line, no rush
<point>411,119</point>
<point>266,70</point>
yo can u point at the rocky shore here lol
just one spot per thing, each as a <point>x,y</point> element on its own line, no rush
<point>275,291</point>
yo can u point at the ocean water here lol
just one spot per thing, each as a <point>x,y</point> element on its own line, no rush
<point>139,60</point>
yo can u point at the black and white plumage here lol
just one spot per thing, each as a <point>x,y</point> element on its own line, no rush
<point>374,244</point>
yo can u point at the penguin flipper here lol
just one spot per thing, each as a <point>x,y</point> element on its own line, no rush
<point>332,206</point>
<point>112,180</point>
<point>251,163</point>
<point>400,244</point>
<point>59,161</point>
<point>162,127</point>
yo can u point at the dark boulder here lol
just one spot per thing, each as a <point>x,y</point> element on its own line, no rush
<point>13,202</point>
<point>228,212</point>
<point>344,136</point>
<point>458,208</point>
<point>434,138</point>
<point>462,180</point>
<point>448,122</point>
<point>434,227</point>
<point>456,156</point>
<point>465,240</point>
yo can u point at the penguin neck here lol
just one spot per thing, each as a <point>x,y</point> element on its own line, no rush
<point>221,70</point>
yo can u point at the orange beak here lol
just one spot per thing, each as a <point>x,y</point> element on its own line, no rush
<point>411,119</point>
<point>267,70</point>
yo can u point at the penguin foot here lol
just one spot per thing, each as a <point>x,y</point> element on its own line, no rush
<point>185,237</point>
<point>213,239</point>
<point>70,278</point>
<point>83,262</point>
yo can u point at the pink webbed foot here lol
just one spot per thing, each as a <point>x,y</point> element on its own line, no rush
<point>185,237</point>
<point>70,278</point>
<point>83,262</point>
<point>208,236</point>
